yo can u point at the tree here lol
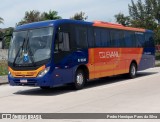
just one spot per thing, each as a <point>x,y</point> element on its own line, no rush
<point>1,20</point>
<point>7,39</point>
<point>146,15</point>
<point>31,16</point>
<point>141,14</point>
<point>155,4</point>
<point>79,16</point>
<point>51,15</point>
<point>35,16</point>
<point>122,19</point>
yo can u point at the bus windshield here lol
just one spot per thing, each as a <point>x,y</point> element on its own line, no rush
<point>30,46</point>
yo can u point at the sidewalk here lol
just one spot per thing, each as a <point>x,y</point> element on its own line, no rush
<point>3,80</point>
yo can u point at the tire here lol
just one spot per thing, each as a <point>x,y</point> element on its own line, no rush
<point>80,79</point>
<point>132,71</point>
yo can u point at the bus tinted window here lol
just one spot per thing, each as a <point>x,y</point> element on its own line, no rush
<point>130,40</point>
<point>117,38</point>
<point>81,37</point>
<point>140,39</point>
<point>149,41</point>
<point>97,37</point>
<point>64,41</point>
<point>90,37</point>
<point>105,38</point>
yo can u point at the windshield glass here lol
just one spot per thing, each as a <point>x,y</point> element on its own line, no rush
<point>31,46</point>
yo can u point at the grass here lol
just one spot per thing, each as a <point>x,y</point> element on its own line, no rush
<point>158,56</point>
<point>158,59</point>
<point>3,68</point>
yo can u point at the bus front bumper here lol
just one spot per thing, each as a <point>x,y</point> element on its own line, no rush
<point>44,81</point>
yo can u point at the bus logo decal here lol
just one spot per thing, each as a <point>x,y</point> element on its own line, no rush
<point>113,54</point>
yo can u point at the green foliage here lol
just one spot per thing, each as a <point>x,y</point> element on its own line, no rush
<point>1,20</point>
<point>35,16</point>
<point>122,19</point>
<point>31,16</point>
<point>79,16</point>
<point>3,68</point>
<point>141,15</point>
<point>7,39</point>
<point>157,35</point>
<point>51,15</point>
<point>1,34</point>
<point>158,56</point>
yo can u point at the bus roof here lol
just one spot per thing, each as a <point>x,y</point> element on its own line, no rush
<point>68,21</point>
<point>51,23</point>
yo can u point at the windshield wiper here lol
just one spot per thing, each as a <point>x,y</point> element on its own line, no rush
<point>21,47</point>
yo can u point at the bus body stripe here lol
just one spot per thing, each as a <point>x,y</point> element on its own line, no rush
<point>112,61</point>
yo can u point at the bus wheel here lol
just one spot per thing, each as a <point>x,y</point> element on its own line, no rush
<point>80,80</point>
<point>45,87</point>
<point>133,70</point>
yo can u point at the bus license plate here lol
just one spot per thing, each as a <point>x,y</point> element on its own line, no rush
<point>23,81</point>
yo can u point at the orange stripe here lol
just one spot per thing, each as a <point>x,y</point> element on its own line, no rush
<point>27,74</point>
<point>121,27</point>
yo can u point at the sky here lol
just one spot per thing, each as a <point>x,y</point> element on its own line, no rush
<point>12,11</point>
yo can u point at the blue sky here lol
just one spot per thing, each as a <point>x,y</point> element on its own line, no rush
<point>12,11</point>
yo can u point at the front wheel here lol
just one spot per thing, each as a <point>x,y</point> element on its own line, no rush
<point>132,71</point>
<point>80,80</point>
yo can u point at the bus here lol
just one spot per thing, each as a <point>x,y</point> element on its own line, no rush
<point>57,52</point>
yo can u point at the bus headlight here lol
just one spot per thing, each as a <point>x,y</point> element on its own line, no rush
<point>9,73</point>
<point>43,72</point>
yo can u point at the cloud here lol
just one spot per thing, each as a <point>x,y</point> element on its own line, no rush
<point>12,11</point>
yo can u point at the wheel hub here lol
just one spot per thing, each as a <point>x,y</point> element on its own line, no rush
<point>80,79</point>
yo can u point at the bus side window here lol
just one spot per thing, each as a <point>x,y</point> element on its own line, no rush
<point>105,38</point>
<point>122,42</point>
<point>63,42</point>
<point>97,34</point>
<point>140,39</point>
<point>115,38</point>
<point>130,39</point>
<point>81,37</point>
<point>90,37</point>
<point>149,41</point>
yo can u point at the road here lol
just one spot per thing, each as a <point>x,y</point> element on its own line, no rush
<point>108,95</point>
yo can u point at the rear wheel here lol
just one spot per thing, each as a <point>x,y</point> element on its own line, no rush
<point>80,79</point>
<point>132,70</point>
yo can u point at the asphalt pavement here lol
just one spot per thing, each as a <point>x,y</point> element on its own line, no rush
<point>107,95</point>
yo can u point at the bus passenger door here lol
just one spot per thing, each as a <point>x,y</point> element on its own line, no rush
<point>62,58</point>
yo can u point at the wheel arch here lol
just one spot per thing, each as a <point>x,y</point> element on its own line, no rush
<point>135,62</point>
<point>85,70</point>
